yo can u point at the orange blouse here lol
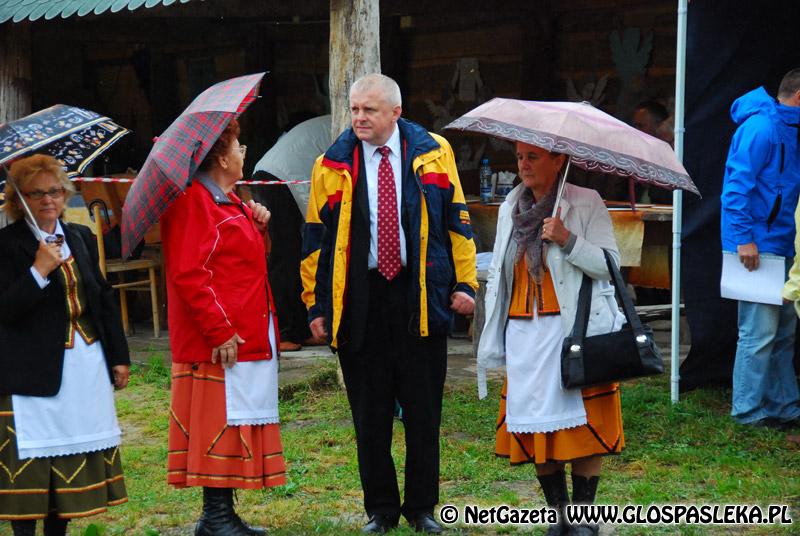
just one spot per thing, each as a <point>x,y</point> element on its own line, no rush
<point>525,292</point>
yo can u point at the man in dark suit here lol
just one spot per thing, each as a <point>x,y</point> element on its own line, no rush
<point>381,281</point>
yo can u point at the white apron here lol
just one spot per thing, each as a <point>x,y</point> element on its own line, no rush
<point>81,417</point>
<point>251,389</point>
<point>536,402</point>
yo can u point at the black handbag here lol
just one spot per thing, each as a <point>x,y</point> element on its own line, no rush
<point>610,357</point>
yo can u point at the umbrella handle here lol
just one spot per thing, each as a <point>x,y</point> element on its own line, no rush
<point>561,183</point>
<point>102,205</point>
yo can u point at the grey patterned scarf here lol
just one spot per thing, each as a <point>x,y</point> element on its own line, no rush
<point>528,216</point>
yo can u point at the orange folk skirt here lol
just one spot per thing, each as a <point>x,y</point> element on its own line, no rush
<point>204,450</point>
<point>602,434</point>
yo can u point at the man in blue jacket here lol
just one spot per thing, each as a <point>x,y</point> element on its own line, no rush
<point>759,197</point>
<point>388,256</point>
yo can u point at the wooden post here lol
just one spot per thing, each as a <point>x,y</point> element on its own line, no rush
<point>15,77</point>
<point>15,71</point>
<point>354,51</point>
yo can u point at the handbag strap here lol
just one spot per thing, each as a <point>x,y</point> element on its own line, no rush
<point>585,303</point>
<point>582,312</point>
<point>627,304</point>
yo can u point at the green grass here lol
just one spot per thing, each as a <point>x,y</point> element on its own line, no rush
<point>689,453</point>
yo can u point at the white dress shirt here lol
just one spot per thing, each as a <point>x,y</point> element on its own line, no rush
<point>65,251</point>
<point>372,159</point>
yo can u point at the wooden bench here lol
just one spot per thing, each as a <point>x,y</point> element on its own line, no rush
<point>648,313</point>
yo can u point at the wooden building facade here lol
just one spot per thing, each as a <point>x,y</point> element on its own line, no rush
<point>143,67</point>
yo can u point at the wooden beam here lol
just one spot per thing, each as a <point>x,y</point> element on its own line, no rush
<point>15,71</point>
<point>222,10</point>
<point>354,52</point>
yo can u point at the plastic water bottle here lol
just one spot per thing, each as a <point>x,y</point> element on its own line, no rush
<point>485,178</point>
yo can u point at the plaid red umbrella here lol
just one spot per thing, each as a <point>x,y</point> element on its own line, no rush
<point>179,151</point>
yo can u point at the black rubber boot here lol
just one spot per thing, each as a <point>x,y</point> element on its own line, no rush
<point>55,526</point>
<point>252,531</point>
<point>24,528</point>
<point>584,490</point>
<point>555,491</point>
<point>219,517</point>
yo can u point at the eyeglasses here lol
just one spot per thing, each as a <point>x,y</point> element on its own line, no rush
<point>242,149</point>
<point>54,193</point>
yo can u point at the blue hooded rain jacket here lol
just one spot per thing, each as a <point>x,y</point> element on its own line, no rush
<point>762,175</point>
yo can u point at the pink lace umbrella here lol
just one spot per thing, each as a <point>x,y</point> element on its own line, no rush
<point>594,140</point>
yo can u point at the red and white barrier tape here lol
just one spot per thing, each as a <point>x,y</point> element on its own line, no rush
<point>244,183</point>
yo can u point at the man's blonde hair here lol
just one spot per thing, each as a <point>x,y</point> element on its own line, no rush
<point>23,171</point>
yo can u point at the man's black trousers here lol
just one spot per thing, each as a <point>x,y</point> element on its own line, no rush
<point>393,364</point>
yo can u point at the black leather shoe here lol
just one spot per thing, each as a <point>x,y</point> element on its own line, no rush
<point>791,424</point>
<point>219,518</point>
<point>427,524</point>
<point>767,422</point>
<point>24,528</point>
<point>378,524</point>
<point>55,526</point>
<point>554,487</point>
<point>584,530</point>
<point>250,531</point>
<point>584,489</point>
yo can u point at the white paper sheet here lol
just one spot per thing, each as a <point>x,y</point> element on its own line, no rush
<point>762,285</point>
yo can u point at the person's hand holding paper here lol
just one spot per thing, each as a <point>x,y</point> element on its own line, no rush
<point>748,255</point>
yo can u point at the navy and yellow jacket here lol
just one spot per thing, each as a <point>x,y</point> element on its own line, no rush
<point>440,250</point>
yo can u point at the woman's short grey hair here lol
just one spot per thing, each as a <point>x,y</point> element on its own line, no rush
<point>388,87</point>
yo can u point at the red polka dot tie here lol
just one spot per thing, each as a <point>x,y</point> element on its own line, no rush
<point>388,226</point>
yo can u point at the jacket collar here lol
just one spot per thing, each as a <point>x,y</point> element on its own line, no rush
<point>79,250</point>
<point>213,188</point>
<point>24,237</point>
<point>416,140</point>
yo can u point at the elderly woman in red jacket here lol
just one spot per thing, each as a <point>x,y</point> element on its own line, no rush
<point>223,430</point>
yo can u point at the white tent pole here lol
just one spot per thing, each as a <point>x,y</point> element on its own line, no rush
<point>677,200</point>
